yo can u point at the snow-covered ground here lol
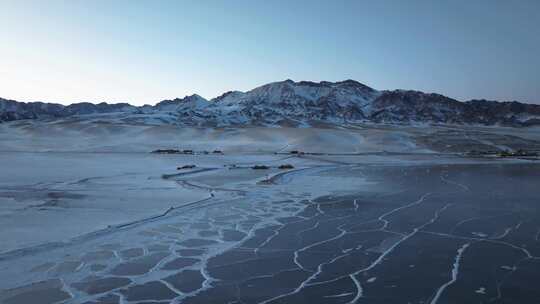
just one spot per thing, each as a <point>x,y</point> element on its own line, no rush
<point>48,197</point>
<point>85,136</point>
<point>61,179</point>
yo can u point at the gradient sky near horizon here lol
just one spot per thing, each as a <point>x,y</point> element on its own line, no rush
<point>146,51</point>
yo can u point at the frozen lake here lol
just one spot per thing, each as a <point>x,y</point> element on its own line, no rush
<point>364,230</point>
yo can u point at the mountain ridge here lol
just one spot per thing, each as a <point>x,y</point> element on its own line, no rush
<point>293,103</point>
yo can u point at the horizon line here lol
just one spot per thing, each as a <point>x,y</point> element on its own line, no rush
<point>268,83</point>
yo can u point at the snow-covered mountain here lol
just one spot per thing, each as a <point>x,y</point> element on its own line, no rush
<point>297,102</point>
<point>13,110</point>
<point>292,104</point>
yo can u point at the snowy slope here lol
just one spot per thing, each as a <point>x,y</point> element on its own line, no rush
<point>297,101</point>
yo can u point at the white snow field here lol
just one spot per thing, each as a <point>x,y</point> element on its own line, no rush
<point>62,179</point>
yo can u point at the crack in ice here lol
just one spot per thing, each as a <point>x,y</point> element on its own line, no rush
<point>455,273</point>
<point>462,186</point>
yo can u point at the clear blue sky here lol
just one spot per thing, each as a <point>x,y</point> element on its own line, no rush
<point>146,51</point>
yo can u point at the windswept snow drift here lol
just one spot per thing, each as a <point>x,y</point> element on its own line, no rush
<point>84,136</point>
